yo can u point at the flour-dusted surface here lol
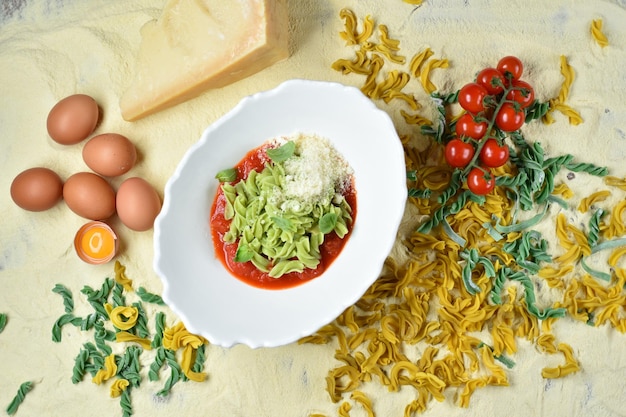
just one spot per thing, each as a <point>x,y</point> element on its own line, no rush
<point>51,49</point>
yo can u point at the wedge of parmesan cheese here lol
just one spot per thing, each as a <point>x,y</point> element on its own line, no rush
<point>196,45</point>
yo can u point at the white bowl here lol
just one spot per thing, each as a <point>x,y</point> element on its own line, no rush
<point>213,303</point>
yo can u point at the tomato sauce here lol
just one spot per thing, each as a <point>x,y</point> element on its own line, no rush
<point>246,271</point>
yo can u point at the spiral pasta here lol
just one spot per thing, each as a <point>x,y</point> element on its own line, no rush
<point>178,337</point>
<point>399,300</point>
<point>108,371</point>
<point>496,293</point>
<point>274,228</point>
<point>118,386</point>
<point>149,297</point>
<point>570,366</point>
<point>3,321</point>
<point>131,326</point>
<point>370,57</point>
<point>592,199</point>
<point>122,317</point>
<point>364,401</point>
<point>418,61</point>
<point>361,64</point>
<point>616,226</point>
<point>351,34</point>
<point>558,103</point>
<point>569,74</point>
<point>615,182</point>
<point>616,255</point>
<point>432,64</point>
<point>597,34</point>
<point>68,300</point>
<point>574,117</point>
<point>554,276</point>
<point>121,278</point>
<point>415,119</point>
<point>24,389</point>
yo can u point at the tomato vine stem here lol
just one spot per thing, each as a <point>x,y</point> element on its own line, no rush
<point>490,126</point>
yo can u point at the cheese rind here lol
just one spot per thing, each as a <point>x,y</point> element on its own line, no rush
<point>196,45</point>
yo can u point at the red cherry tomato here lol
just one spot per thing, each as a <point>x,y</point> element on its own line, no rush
<point>458,153</point>
<point>467,126</point>
<point>492,80</point>
<point>508,119</point>
<point>493,155</point>
<point>512,65</point>
<point>523,93</point>
<point>480,182</point>
<point>471,97</point>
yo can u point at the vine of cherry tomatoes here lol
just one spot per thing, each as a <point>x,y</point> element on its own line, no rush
<point>494,105</point>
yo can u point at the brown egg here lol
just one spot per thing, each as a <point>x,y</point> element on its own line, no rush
<point>72,119</point>
<point>110,154</point>
<point>37,189</point>
<point>90,196</point>
<point>138,204</point>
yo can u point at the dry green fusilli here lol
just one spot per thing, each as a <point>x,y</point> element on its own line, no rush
<point>24,389</point>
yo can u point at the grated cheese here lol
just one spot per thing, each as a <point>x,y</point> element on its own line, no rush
<point>316,172</point>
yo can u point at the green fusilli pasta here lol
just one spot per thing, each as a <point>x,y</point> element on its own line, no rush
<point>24,389</point>
<point>141,326</point>
<point>159,319</point>
<point>157,364</point>
<point>101,335</point>
<point>198,364</point>
<point>472,260</point>
<point>529,250</point>
<point>594,228</point>
<point>100,295</point>
<point>148,297</point>
<point>176,374</point>
<point>93,355</point>
<point>117,295</point>
<point>536,110</point>
<point>531,299</point>
<point>512,181</point>
<point>588,168</point>
<point>80,364</point>
<point>279,234</point>
<point>96,359</point>
<point>67,318</point>
<point>125,403</point>
<point>3,321</point>
<point>129,366</point>
<point>453,187</point>
<point>64,292</point>
<point>97,299</point>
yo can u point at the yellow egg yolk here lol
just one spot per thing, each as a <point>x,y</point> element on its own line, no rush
<point>98,242</point>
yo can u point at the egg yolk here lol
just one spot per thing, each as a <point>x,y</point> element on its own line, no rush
<point>96,243</point>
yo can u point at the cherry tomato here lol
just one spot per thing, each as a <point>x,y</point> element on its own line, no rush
<point>458,153</point>
<point>508,119</point>
<point>492,80</point>
<point>493,155</point>
<point>512,65</point>
<point>523,93</point>
<point>480,182</point>
<point>471,97</point>
<point>467,126</point>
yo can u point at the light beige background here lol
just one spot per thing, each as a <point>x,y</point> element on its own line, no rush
<point>50,49</point>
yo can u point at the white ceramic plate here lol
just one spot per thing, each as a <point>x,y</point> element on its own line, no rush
<point>226,311</point>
